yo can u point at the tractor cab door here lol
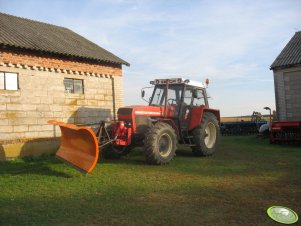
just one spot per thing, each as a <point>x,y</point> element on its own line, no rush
<point>193,97</point>
<point>186,106</point>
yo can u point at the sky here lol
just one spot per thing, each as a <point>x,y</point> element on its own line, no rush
<point>230,42</point>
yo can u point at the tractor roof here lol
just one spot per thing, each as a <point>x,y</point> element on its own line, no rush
<point>178,81</point>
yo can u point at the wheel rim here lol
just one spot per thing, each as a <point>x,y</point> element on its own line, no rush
<point>165,145</point>
<point>210,135</point>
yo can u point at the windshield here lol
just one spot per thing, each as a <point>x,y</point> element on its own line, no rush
<point>174,95</point>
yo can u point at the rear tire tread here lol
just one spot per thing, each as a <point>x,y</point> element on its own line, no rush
<point>200,148</point>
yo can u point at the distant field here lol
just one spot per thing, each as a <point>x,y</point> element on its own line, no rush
<point>234,187</point>
<point>240,118</point>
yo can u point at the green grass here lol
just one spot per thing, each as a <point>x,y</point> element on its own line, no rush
<point>234,187</point>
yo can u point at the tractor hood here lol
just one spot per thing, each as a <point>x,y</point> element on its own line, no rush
<point>139,117</point>
<point>131,112</point>
<point>128,113</point>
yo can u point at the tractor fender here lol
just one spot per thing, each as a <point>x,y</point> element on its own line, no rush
<point>215,112</point>
<point>197,115</point>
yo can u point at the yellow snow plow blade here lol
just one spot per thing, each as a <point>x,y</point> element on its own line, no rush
<point>79,146</point>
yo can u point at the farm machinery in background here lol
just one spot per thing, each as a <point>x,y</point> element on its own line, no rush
<point>178,112</point>
<point>244,127</point>
<point>285,132</point>
<point>277,131</point>
<point>282,131</point>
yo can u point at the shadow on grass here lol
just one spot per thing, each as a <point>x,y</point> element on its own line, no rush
<point>136,157</point>
<point>124,160</point>
<point>28,166</point>
<point>185,152</point>
<point>167,207</point>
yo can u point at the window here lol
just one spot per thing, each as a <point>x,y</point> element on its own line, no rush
<point>174,95</point>
<point>188,96</point>
<point>158,96</point>
<point>200,100</point>
<point>74,85</point>
<point>9,81</point>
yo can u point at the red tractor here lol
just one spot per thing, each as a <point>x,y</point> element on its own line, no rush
<point>178,112</point>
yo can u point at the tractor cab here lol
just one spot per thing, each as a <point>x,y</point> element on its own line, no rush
<point>169,92</point>
<point>176,91</point>
<point>178,97</point>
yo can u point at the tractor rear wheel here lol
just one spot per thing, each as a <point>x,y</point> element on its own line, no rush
<point>206,136</point>
<point>160,144</point>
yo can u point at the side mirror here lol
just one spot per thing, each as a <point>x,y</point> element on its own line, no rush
<point>145,93</point>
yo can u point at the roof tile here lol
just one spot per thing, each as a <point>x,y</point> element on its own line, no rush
<point>290,55</point>
<point>34,35</point>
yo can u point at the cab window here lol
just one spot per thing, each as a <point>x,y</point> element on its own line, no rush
<point>174,95</point>
<point>188,96</point>
<point>200,100</point>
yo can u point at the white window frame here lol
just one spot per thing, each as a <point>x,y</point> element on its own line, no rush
<point>74,79</point>
<point>10,85</point>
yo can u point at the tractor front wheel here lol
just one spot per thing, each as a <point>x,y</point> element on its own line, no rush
<point>206,136</point>
<point>160,144</point>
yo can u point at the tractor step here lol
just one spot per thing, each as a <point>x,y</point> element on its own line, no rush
<point>188,139</point>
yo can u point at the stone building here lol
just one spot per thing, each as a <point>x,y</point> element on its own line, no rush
<point>287,80</point>
<point>50,72</point>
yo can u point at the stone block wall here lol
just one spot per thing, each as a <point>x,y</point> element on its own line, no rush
<point>41,96</point>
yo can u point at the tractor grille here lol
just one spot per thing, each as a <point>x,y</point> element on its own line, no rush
<point>125,111</point>
<point>143,123</point>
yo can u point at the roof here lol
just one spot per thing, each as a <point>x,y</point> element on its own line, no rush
<point>290,55</point>
<point>37,36</point>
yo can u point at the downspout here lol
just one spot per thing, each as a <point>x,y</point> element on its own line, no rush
<point>114,100</point>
